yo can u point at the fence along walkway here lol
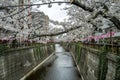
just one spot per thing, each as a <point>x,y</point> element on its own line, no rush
<point>63,68</point>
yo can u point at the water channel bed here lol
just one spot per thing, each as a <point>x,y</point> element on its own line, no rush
<point>63,68</point>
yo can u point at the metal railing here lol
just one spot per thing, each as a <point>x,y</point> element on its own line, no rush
<point>103,54</point>
<point>113,48</point>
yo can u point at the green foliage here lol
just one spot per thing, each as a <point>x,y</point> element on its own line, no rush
<point>79,53</point>
<point>103,64</point>
<point>3,48</point>
<point>41,51</point>
<point>76,51</point>
<point>117,75</point>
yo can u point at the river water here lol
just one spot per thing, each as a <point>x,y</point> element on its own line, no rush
<point>62,68</point>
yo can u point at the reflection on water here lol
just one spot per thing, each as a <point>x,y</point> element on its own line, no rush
<point>63,68</point>
<point>40,73</point>
<point>58,48</point>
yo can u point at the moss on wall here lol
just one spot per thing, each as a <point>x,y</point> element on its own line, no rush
<point>78,53</point>
<point>117,74</point>
<point>103,64</point>
<point>3,48</point>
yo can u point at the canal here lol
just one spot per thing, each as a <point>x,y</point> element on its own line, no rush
<point>62,68</point>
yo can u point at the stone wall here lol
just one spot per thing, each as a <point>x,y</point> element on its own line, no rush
<point>88,60</point>
<point>15,63</point>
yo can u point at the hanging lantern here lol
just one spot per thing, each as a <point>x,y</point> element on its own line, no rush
<point>59,4</point>
<point>49,5</point>
<point>38,5</point>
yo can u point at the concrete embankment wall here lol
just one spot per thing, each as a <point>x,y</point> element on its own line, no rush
<point>15,63</point>
<point>96,64</point>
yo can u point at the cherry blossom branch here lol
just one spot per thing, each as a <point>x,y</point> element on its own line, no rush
<point>59,33</point>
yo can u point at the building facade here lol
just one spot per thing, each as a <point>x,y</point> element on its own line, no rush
<point>40,23</point>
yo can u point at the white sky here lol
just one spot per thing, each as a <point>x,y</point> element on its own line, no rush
<point>55,12</point>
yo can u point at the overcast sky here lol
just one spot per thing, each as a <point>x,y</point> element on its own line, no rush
<point>55,12</point>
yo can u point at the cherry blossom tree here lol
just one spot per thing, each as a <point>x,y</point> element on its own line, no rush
<point>84,15</point>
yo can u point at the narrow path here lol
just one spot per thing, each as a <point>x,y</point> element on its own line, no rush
<point>63,68</point>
